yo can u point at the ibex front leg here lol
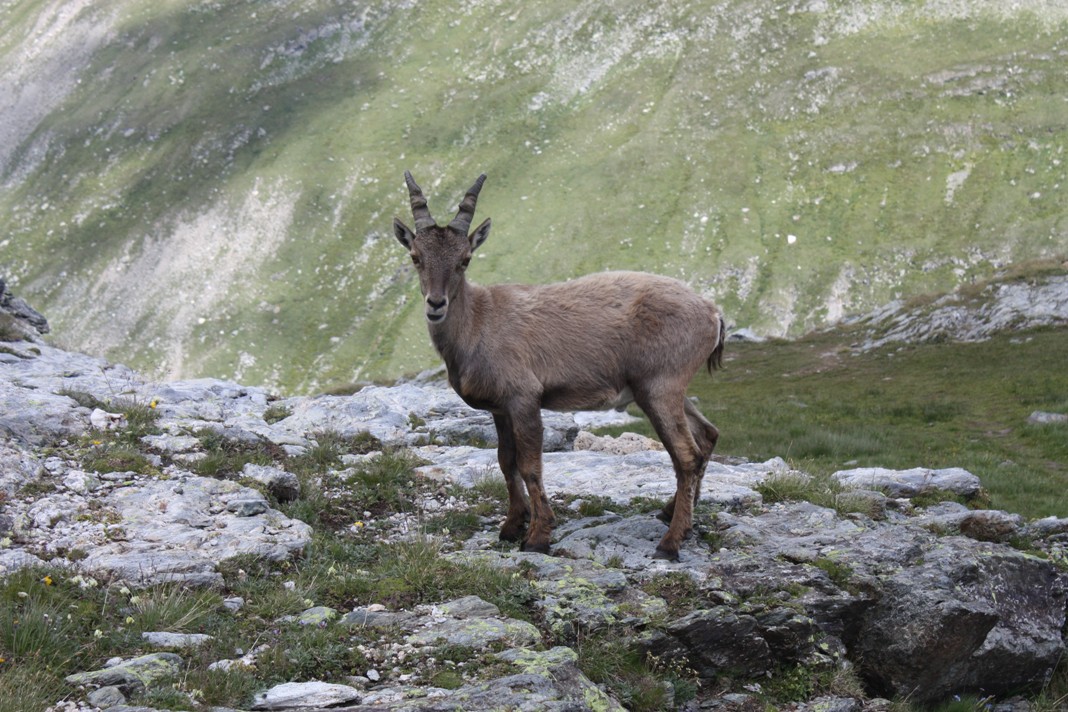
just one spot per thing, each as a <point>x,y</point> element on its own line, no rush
<point>518,505</point>
<point>527,428</point>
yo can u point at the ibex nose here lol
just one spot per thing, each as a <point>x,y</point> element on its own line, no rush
<point>435,308</point>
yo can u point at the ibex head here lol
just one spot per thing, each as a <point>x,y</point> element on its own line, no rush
<point>441,254</point>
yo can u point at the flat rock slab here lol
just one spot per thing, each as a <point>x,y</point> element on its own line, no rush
<point>478,632</point>
<point>408,414</point>
<point>468,621</point>
<point>629,543</point>
<point>305,695</point>
<point>152,531</point>
<point>620,477</point>
<point>909,483</point>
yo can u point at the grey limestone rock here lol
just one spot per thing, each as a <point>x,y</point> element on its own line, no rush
<point>410,413</point>
<point>1041,418</point>
<point>1005,306</point>
<point>909,483</point>
<point>308,695</point>
<point>468,621</point>
<point>147,531</point>
<point>924,616</point>
<point>163,639</point>
<point>107,696</point>
<point>134,674</point>
<point>283,485</point>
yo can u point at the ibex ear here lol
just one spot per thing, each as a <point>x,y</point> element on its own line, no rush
<point>480,234</point>
<point>405,236</point>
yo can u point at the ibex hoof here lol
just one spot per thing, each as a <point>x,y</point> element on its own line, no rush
<point>539,548</point>
<point>665,554</point>
<point>511,535</point>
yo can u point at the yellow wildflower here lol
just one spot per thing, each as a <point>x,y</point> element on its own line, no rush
<point>47,580</point>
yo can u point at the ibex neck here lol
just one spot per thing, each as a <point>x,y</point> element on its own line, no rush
<point>455,335</point>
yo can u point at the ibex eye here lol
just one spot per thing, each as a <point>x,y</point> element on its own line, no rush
<point>466,261</point>
<point>416,261</point>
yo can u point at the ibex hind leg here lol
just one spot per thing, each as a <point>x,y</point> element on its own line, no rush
<point>669,419</point>
<point>705,436</point>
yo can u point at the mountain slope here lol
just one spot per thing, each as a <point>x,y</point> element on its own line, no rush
<point>206,188</point>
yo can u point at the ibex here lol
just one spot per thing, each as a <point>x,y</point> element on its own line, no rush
<point>600,341</point>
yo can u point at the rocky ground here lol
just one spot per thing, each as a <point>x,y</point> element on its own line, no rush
<point>892,588</point>
<point>971,314</point>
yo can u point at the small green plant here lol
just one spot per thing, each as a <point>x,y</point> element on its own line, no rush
<point>625,672</point>
<point>416,571</point>
<point>679,590</point>
<point>276,413</point>
<point>224,457</point>
<point>459,524</point>
<point>226,688</point>
<point>344,389</point>
<point>930,497</point>
<point>37,488</point>
<point>312,652</point>
<point>594,506</point>
<point>447,679</point>
<point>328,449</point>
<point>141,417</point>
<point>171,608</point>
<point>108,457</point>
<point>839,573</point>
<point>49,628</point>
<point>491,485</point>
<point>789,487</point>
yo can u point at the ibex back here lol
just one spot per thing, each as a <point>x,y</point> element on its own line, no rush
<point>600,341</point>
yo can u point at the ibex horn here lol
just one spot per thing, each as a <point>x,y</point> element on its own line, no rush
<point>420,211</point>
<point>462,222</point>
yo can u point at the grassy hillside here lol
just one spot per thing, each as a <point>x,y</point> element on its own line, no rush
<point>205,188</point>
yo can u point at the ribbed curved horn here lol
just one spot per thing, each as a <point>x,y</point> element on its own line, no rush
<point>462,222</point>
<point>420,211</point>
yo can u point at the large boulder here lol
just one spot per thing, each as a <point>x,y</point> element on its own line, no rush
<point>922,616</point>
